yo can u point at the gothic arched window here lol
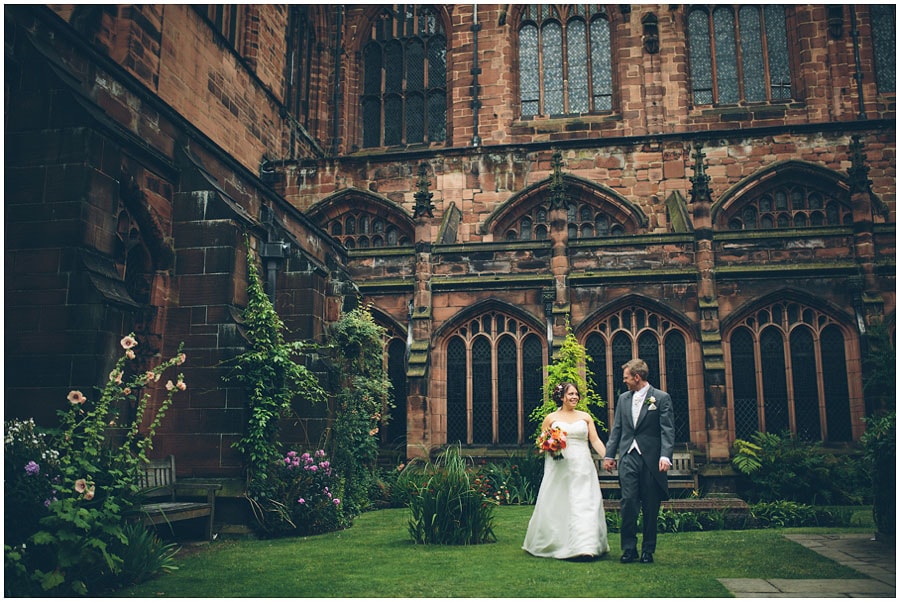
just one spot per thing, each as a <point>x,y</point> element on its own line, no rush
<point>638,332</point>
<point>739,53</point>
<point>404,98</point>
<point>790,205</point>
<point>565,62</point>
<point>494,380</point>
<point>788,373</point>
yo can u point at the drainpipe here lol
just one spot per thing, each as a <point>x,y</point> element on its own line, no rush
<point>858,76</point>
<point>476,71</point>
<point>337,78</point>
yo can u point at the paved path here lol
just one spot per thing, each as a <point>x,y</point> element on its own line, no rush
<point>876,559</point>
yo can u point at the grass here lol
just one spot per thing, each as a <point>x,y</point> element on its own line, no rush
<point>376,558</point>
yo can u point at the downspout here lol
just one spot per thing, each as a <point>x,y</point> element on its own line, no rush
<point>337,79</point>
<point>858,76</point>
<point>476,70</point>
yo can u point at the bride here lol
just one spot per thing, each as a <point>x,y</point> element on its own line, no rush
<point>568,519</point>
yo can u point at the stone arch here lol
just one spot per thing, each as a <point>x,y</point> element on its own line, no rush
<point>801,186</point>
<point>604,205</point>
<point>361,219</point>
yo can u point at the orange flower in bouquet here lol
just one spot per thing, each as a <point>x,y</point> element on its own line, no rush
<point>552,441</point>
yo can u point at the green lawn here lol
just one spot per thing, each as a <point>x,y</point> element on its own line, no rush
<point>376,558</point>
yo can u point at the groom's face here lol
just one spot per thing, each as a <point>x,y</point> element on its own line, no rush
<point>632,381</point>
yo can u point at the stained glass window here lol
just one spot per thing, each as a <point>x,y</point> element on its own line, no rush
<point>564,60</point>
<point>790,205</point>
<point>404,79</point>
<point>643,333</point>
<point>794,396</point>
<point>501,401</point>
<point>739,57</point>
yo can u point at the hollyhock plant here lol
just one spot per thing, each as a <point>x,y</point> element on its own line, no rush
<point>82,491</point>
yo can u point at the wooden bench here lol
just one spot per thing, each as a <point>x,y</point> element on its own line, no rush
<point>158,483</point>
<point>682,475</point>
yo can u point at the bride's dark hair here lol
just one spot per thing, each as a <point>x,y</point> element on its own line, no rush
<point>560,390</point>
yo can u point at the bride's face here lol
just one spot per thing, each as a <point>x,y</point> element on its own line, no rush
<point>570,398</point>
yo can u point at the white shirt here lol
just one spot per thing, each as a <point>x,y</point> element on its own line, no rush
<point>637,400</point>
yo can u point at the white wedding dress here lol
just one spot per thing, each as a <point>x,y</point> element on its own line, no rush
<point>568,519</point>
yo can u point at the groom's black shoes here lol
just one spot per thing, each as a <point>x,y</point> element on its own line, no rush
<point>629,556</point>
<point>646,558</point>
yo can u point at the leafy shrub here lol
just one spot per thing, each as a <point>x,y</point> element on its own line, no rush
<point>783,513</point>
<point>880,441</point>
<point>305,497</point>
<point>507,482</point>
<point>785,468</point>
<point>669,521</point>
<point>445,506</point>
<point>77,545</point>
<point>145,555</point>
<point>31,479</point>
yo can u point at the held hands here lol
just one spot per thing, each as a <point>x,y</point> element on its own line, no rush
<point>609,464</point>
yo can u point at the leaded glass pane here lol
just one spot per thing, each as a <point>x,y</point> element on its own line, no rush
<point>743,370</point>
<point>752,55</point>
<point>393,67</point>
<point>482,387</point>
<point>532,377</point>
<point>777,44</point>
<point>437,116</point>
<point>621,353</point>
<point>648,350</point>
<point>602,225</point>
<point>576,60</point>
<point>884,33</point>
<point>393,120</point>
<point>372,80</point>
<point>834,376</point>
<point>415,66</point>
<point>529,82</point>
<point>371,122</point>
<point>437,62</point>
<point>395,429</point>
<point>457,372</point>
<point>771,345</point>
<point>601,69</point>
<point>596,349</point>
<point>507,391</point>
<point>676,384</point>
<point>551,52</point>
<point>726,56</point>
<point>415,119</point>
<point>701,57</point>
<point>805,385</point>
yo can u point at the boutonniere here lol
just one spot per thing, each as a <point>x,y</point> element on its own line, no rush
<point>651,402</point>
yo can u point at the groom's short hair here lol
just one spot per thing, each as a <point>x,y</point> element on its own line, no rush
<point>637,366</point>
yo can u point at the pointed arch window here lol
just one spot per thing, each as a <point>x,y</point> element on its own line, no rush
<point>494,380</point>
<point>301,61</point>
<point>404,98</point>
<point>788,373</point>
<point>739,54</point>
<point>584,221</point>
<point>639,332</point>
<point>565,62</point>
<point>790,205</point>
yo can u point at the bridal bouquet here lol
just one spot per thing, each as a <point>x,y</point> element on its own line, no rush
<point>552,441</point>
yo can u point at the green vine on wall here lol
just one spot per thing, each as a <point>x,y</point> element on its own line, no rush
<point>569,365</point>
<point>272,376</point>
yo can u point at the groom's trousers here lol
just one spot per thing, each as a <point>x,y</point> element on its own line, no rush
<point>639,493</point>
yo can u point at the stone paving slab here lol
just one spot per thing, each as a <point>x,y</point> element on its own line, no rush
<point>858,551</point>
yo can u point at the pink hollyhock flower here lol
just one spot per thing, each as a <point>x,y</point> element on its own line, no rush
<point>182,358</point>
<point>128,342</point>
<point>89,494</point>
<point>76,397</point>
<point>80,485</point>
<point>127,390</point>
<point>116,376</point>
<point>170,385</point>
<point>129,354</point>
<point>182,386</point>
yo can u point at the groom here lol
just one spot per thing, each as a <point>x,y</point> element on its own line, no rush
<point>643,433</point>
